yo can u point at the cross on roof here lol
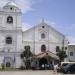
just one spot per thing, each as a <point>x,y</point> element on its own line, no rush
<point>43,20</point>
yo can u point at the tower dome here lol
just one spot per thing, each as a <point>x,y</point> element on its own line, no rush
<point>12,7</point>
<point>10,3</point>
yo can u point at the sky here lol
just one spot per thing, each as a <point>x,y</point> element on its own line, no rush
<point>59,14</point>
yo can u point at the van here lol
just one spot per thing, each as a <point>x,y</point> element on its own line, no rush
<point>65,67</point>
<point>65,63</point>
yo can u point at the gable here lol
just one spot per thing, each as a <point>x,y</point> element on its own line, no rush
<point>51,34</point>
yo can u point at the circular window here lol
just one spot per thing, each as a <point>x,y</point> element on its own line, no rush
<point>43,26</point>
<point>11,8</point>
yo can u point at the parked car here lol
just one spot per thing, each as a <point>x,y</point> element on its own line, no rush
<point>61,67</point>
<point>69,69</point>
<point>65,65</point>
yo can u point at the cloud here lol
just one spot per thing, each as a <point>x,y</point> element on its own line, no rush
<point>3,2</point>
<point>71,39</point>
<point>53,24</point>
<point>72,27</point>
<point>25,26</point>
<point>71,32</point>
<point>24,5</point>
<point>68,30</point>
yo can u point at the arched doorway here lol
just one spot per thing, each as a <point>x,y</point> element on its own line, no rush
<point>42,63</point>
<point>8,64</point>
<point>43,48</point>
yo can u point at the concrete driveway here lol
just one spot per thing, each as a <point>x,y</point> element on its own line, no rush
<point>29,72</point>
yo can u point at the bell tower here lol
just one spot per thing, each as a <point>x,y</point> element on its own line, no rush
<point>11,16</point>
<point>11,32</point>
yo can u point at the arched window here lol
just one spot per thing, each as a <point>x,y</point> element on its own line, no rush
<point>8,40</point>
<point>43,35</point>
<point>57,48</point>
<point>9,19</point>
<point>43,48</point>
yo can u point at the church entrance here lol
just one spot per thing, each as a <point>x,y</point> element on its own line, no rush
<point>43,63</point>
<point>8,64</point>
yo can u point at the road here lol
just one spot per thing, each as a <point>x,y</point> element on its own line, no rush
<point>30,72</point>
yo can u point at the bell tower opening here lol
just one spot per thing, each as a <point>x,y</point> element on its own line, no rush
<point>10,19</point>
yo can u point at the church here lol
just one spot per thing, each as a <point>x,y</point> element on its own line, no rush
<point>41,38</point>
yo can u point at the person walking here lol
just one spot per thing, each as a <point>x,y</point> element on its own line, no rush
<point>55,68</point>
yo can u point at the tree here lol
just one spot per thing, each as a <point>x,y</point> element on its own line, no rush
<point>61,54</point>
<point>25,55</point>
<point>3,67</point>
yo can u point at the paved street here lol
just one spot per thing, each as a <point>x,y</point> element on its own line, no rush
<point>28,73</point>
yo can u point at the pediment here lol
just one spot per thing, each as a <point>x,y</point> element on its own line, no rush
<point>47,53</point>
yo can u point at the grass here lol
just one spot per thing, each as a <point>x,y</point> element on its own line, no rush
<point>9,69</point>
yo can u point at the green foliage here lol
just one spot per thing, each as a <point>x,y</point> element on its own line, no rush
<point>61,54</point>
<point>3,67</point>
<point>49,58</point>
<point>26,54</point>
<point>22,68</point>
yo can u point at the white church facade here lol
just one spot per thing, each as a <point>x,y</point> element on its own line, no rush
<point>40,38</point>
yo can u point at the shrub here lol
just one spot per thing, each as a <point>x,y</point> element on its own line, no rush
<point>3,67</point>
<point>22,68</point>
